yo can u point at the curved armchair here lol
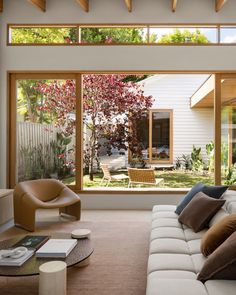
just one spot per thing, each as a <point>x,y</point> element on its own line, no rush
<point>45,194</point>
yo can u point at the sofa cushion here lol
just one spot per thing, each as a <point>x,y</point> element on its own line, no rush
<point>169,246</point>
<point>219,287</point>
<point>199,211</point>
<point>218,216</point>
<point>198,261</point>
<point>173,274</point>
<point>166,222</point>
<point>221,264</point>
<point>217,234</point>
<point>164,214</point>
<point>194,190</point>
<point>174,287</point>
<point>194,246</point>
<point>190,235</point>
<point>158,208</point>
<point>167,232</point>
<point>169,261</point>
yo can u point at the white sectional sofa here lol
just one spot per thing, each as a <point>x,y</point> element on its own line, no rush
<point>175,257</point>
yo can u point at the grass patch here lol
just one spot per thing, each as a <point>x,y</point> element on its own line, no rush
<point>172,179</point>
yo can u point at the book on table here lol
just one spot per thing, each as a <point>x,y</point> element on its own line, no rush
<point>9,261</point>
<point>32,242</point>
<point>56,248</point>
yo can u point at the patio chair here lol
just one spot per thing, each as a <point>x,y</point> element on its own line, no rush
<point>108,177</point>
<point>143,176</point>
<point>45,194</point>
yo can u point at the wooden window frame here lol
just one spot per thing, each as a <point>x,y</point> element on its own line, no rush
<point>146,26</point>
<point>12,76</point>
<point>12,123</point>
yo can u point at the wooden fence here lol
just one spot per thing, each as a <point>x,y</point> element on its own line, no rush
<point>35,153</point>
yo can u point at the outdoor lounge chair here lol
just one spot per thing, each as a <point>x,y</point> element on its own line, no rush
<point>45,194</point>
<point>108,177</point>
<point>143,176</point>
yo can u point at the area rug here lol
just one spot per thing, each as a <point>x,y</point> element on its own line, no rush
<point>118,264</point>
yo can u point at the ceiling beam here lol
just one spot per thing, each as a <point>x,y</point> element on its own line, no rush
<point>128,3</point>
<point>84,4</point>
<point>40,4</point>
<point>174,5</point>
<point>1,5</point>
<point>220,4</point>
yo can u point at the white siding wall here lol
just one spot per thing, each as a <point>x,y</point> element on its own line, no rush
<point>190,126</point>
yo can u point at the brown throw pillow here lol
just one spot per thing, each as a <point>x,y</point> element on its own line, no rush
<point>221,264</point>
<point>199,211</point>
<point>217,234</point>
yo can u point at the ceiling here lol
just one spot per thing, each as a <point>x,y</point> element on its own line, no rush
<point>84,4</point>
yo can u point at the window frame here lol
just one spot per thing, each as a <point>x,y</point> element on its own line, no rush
<point>147,26</point>
<point>12,76</point>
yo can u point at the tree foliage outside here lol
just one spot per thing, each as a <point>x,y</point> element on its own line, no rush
<point>186,36</point>
<point>43,35</point>
<point>112,109</point>
<point>111,105</point>
<point>113,35</point>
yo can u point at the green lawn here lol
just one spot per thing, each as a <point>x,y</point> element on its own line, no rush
<point>172,179</point>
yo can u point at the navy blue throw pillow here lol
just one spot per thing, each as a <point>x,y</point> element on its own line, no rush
<point>215,191</point>
<point>194,190</point>
<point>212,191</point>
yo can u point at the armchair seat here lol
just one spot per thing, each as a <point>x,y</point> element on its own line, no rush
<point>43,194</point>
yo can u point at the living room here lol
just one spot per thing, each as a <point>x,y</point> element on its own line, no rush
<point>57,51</point>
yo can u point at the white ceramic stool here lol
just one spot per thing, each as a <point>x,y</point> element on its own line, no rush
<point>52,278</point>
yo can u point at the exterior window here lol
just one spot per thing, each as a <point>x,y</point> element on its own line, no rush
<point>99,34</point>
<point>155,134</point>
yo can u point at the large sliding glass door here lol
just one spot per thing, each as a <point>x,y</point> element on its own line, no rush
<point>44,142</point>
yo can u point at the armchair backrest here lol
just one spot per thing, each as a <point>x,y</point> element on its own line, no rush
<point>43,189</point>
<point>106,171</point>
<point>141,175</point>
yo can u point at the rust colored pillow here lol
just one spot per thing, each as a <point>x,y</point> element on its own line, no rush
<point>199,211</point>
<point>221,264</point>
<point>217,234</point>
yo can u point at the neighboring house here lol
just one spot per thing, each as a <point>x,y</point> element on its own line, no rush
<point>174,127</point>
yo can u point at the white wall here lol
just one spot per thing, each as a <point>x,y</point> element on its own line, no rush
<point>189,125</point>
<point>109,58</point>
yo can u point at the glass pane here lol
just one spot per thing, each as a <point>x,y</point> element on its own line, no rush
<point>113,35</point>
<point>160,136</point>
<point>183,35</point>
<point>43,35</point>
<point>46,130</point>
<point>228,131</point>
<point>228,35</point>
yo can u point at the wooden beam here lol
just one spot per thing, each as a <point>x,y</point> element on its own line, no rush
<point>220,4</point>
<point>174,5</point>
<point>40,4</point>
<point>1,5</point>
<point>128,3</point>
<point>84,4</point>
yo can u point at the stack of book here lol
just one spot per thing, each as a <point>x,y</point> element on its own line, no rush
<point>41,246</point>
<point>9,257</point>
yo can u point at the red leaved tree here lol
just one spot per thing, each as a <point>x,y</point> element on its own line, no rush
<point>112,107</point>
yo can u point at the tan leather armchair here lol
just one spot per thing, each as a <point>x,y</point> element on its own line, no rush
<point>45,194</point>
